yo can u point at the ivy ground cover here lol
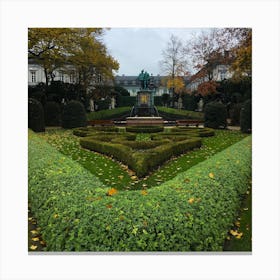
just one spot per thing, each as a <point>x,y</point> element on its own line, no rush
<point>191,212</point>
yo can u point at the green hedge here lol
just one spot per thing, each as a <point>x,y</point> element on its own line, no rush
<point>246,116</point>
<point>142,162</point>
<point>109,114</point>
<point>73,115</point>
<point>215,115</point>
<point>52,114</point>
<point>125,101</point>
<point>36,119</point>
<point>192,212</point>
<point>144,129</point>
<point>171,113</point>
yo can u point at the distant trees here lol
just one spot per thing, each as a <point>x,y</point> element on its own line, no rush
<point>79,47</point>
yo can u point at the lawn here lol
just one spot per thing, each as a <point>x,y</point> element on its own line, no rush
<point>116,176</point>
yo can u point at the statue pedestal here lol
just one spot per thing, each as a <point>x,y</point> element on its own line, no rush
<point>144,121</point>
<point>145,104</point>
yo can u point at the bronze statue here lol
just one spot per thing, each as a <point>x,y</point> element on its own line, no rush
<point>144,79</point>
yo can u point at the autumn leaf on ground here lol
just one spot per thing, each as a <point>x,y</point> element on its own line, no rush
<point>144,192</point>
<point>111,192</point>
<point>237,224</point>
<point>109,206</point>
<point>233,232</point>
<point>191,200</point>
<point>239,235</point>
<point>120,177</point>
<point>187,180</point>
<point>211,175</point>
<point>35,239</point>
<point>34,232</point>
<point>33,247</point>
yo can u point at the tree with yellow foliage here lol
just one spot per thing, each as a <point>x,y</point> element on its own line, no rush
<point>79,47</point>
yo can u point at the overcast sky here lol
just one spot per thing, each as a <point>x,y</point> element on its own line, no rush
<point>141,48</point>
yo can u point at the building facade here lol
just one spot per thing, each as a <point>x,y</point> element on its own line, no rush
<point>219,73</point>
<point>67,74</point>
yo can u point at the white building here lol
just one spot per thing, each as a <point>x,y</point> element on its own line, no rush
<point>36,74</point>
<point>220,72</point>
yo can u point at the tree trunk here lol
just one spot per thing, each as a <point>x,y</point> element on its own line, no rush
<point>47,78</point>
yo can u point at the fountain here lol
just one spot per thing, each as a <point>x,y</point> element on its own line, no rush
<point>144,111</point>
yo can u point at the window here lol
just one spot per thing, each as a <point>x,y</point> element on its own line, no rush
<point>33,76</point>
<point>223,74</point>
<point>61,76</point>
<point>72,77</point>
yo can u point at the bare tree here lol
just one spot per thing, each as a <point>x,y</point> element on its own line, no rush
<point>174,63</point>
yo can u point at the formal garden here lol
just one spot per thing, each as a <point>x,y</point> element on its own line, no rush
<point>118,188</point>
<point>139,163</point>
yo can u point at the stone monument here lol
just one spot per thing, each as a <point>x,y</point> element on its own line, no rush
<point>144,110</point>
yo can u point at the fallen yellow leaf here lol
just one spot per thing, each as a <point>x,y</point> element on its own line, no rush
<point>233,232</point>
<point>33,247</point>
<point>211,175</point>
<point>35,239</point>
<point>237,224</point>
<point>191,200</point>
<point>34,232</point>
<point>144,192</point>
<point>112,192</point>
<point>239,235</point>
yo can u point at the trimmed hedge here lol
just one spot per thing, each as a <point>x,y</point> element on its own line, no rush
<point>173,114</point>
<point>142,162</point>
<point>215,115</point>
<point>52,114</point>
<point>192,212</point>
<point>246,117</point>
<point>109,114</point>
<point>74,115</point>
<point>235,114</point>
<point>144,129</point>
<point>36,120</point>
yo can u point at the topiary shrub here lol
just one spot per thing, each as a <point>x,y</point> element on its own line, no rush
<point>52,114</point>
<point>235,114</point>
<point>246,116</point>
<point>36,120</point>
<point>215,115</point>
<point>74,115</point>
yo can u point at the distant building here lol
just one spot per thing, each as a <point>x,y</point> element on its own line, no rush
<point>219,73</point>
<point>67,74</point>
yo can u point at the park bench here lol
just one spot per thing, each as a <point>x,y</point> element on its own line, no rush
<point>101,123</point>
<point>189,122</point>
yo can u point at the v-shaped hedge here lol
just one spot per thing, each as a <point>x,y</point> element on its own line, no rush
<point>143,156</point>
